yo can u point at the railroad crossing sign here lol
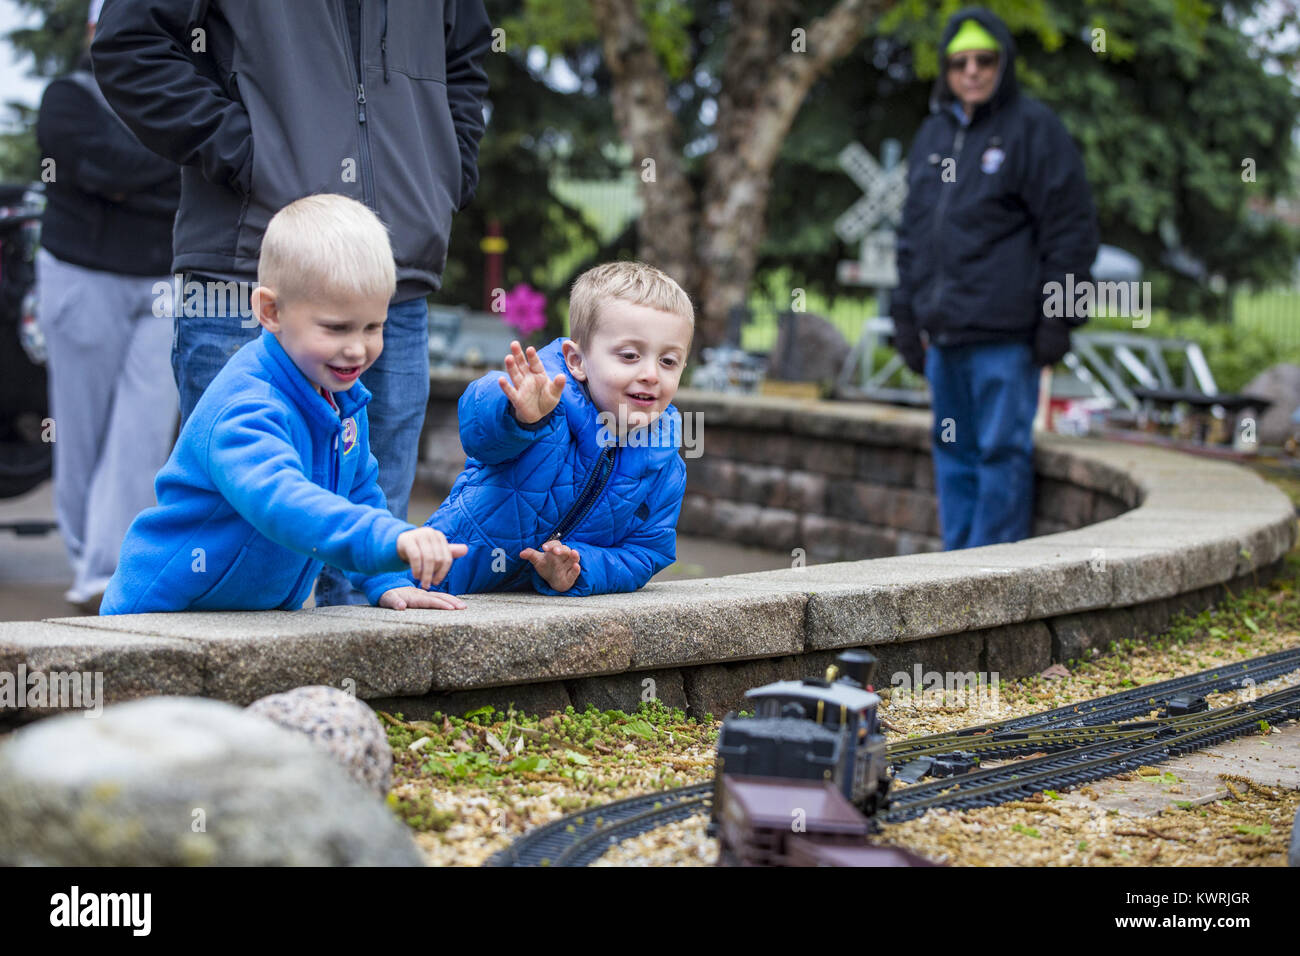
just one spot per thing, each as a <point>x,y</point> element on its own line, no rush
<point>871,221</point>
<point>885,189</point>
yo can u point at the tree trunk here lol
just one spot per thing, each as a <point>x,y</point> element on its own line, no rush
<point>640,93</point>
<point>753,123</point>
<point>766,77</point>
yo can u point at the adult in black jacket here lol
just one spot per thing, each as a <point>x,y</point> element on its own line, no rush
<point>105,250</point>
<point>998,208</point>
<point>265,102</point>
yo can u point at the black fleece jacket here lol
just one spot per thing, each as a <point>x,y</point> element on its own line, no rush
<point>110,201</point>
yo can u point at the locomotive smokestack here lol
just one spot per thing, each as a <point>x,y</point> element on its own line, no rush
<point>858,666</point>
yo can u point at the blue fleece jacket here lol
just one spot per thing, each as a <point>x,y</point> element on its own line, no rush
<point>617,505</point>
<point>266,483</point>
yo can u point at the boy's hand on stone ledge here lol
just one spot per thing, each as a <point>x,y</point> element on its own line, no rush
<point>531,391</point>
<point>428,553</point>
<point>557,564</point>
<point>399,599</point>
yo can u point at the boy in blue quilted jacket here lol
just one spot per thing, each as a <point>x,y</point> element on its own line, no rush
<point>272,474</point>
<point>574,481</point>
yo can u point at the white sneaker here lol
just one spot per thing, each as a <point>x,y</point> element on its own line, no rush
<point>87,598</point>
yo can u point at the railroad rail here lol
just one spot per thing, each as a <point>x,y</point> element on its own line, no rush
<point>1078,743</point>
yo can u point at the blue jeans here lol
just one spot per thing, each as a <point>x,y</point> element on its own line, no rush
<point>398,381</point>
<point>984,399</point>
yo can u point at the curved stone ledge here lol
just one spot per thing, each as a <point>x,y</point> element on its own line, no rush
<point>1193,527</point>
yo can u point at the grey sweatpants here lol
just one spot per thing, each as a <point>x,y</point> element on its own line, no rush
<point>113,404</point>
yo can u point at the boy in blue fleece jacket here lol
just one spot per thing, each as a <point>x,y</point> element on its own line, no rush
<point>574,481</point>
<point>272,474</point>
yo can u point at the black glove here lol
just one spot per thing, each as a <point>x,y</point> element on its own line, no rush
<point>1051,342</point>
<point>908,342</point>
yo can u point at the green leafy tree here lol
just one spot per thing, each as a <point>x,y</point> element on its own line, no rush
<point>1166,99</point>
<point>534,131</point>
<point>744,105</point>
<point>54,46</point>
<point>1166,108</point>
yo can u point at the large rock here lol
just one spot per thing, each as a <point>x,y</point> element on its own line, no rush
<point>1281,385</point>
<point>808,349</point>
<point>343,726</point>
<point>185,781</point>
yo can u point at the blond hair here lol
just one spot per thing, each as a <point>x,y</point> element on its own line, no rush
<point>633,282</point>
<point>326,246</point>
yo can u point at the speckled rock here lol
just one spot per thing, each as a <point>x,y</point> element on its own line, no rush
<point>346,728</point>
<point>173,781</point>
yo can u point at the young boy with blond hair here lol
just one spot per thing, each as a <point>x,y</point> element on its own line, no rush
<point>272,474</point>
<point>574,482</point>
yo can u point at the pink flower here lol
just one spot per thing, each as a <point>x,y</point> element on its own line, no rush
<point>525,309</point>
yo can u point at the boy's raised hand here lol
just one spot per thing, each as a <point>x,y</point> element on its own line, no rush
<point>399,599</point>
<point>531,391</point>
<point>428,553</point>
<point>558,564</point>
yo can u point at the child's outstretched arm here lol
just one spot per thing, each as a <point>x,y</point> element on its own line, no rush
<point>425,550</point>
<point>255,466</point>
<point>430,556</point>
<point>649,548</point>
<point>501,415</point>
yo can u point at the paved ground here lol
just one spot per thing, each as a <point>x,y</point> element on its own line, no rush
<point>1194,778</point>
<point>34,571</point>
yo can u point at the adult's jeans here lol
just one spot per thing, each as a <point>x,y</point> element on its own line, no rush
<point>984,397</point>
<point>398,382</point>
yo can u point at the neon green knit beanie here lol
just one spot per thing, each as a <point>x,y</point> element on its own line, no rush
<point>971,36</point>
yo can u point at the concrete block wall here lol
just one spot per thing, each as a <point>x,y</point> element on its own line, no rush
<point>1164,533</point>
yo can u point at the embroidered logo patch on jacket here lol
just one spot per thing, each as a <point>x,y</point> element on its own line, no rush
<point>349,436</point>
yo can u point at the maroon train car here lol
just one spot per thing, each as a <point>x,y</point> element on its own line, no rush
<point>763,821</point>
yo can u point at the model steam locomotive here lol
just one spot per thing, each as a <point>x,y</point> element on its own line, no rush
<point>798,782</point>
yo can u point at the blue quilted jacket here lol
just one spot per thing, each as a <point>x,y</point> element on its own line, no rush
<point>266,483</point>
<point>563,477</point>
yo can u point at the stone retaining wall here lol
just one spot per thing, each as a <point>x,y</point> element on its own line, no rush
<point>1139,535</point>
<point>770,476</point>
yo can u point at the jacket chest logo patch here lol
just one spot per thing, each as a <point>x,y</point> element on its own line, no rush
<point>349,436</point>
<point>642,511</point>
<point>991,161</point>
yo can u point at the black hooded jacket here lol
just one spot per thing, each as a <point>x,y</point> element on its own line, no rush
<point>975,253</point>
<point>265,101</point>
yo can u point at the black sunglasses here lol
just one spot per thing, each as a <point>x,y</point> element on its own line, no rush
<point>984,61</point>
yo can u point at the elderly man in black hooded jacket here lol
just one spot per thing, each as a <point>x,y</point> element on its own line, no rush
<point>998,209</point>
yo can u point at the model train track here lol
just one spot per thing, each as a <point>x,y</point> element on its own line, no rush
<point>1149,745</point>
<point>580,838</point>
<point>1103,710</point>
<point>1078,747</point>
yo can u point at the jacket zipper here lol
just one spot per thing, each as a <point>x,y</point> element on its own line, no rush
<point>367,183</point>
<point>591,492</point>
<point>602,472</point>
<point>957,142</point>
<point>383,42</point>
